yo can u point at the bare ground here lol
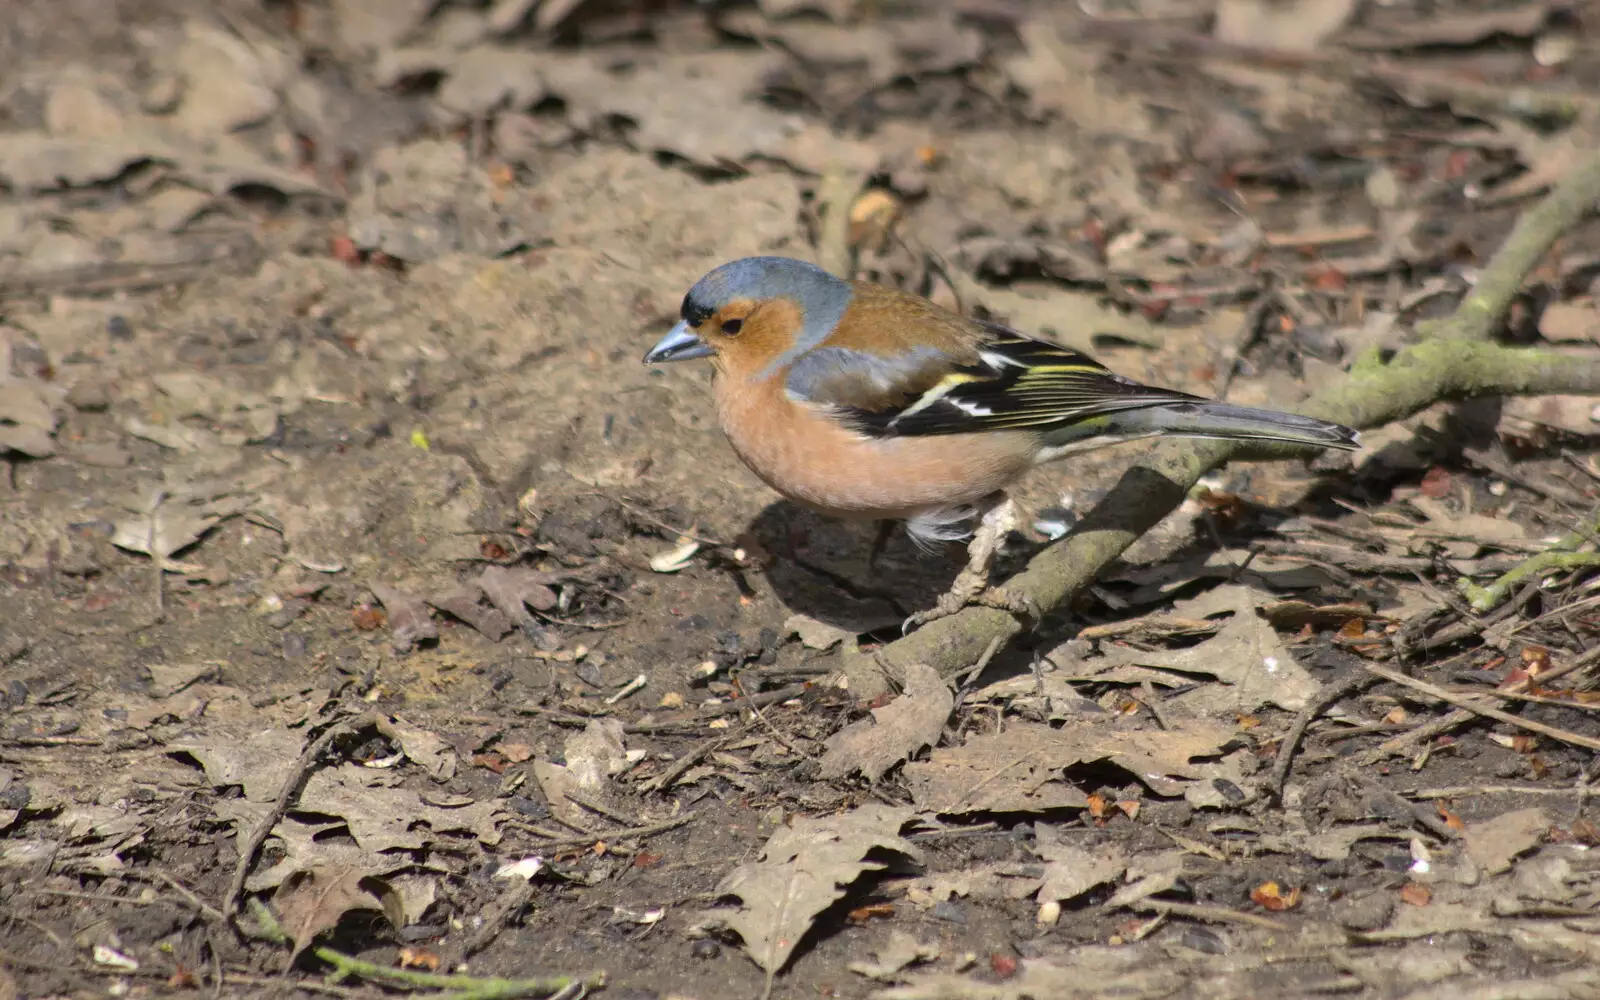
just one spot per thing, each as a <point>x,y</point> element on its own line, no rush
<point>341,527</point>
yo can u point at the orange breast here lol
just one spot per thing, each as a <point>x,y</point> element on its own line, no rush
<point>812,459</point>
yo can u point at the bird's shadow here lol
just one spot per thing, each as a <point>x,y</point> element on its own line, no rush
<point>819,567</point>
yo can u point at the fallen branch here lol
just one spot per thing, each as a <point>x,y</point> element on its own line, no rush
<point>1455,360</point>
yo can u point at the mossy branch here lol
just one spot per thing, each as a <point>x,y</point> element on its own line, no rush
<point>457,987</point>
<point>1454,360</point>
<point>1564,555</point>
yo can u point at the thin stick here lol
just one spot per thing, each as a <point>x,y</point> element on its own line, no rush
<point>1465,791</point>
<point>678,770</point>
<point>1211,914</point>
<point>1469,703</point>
<point>596,807</point>
<point>637,831</point>
<point>1333,692</point>
<point>1403,743</point>
<point>836,195</point>
<point>768,726</point>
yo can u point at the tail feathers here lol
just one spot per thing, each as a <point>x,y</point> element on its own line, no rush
<point>1239,423</point>
<point>1195,418</point>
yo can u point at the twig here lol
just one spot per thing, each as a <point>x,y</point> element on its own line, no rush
<point>157,559</point>
<point>1332,692</point>
<point>596,807</point>
<point>761,699</point>
<point>640,512</point>
<point>1455,361</point>
<point>1563,555</point>
<point>291,786</point>
<point>1533,699</point>
<point>768,726</point>
<point>1421,735</point>
<point>1210,914</point>
<point>156,875</point>
<point>1469,703</point>
<point>983,661</point>
<point>671,775</point>
<point>275,983</point>
<point>836,195</point>
<point>1467,791</point>
<point>628,834</point>
<point>463,987</point>
<point>498,915</point>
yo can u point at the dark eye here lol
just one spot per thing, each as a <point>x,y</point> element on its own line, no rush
<point>731,327</point>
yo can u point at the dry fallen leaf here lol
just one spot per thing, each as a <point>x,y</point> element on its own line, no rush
<point>902,951</point>
<point>1494,844</point>
<point>802,871</point>
<point>712,119</point>
<point>514,589</point>
<point>1071,871</point>
<point>815,634</point>
<point>313,902</point>
<point>258,763</point>
<point>1245,654</point>
<point>382,817</point>
<point>1270,896</point>
<point>1019,769</point>
<point>592,757</point>
<point>1292,26</point>
<point>901,728</point>
<point>424,748</point>
<point>27,415</point>
<point>409,619</point>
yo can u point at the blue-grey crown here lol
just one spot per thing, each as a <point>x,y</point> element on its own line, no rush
<point>822,298</point>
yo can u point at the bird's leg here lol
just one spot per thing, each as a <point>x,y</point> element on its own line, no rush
<point>971,585</point>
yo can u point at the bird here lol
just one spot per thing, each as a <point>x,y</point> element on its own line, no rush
<point>866,402</point>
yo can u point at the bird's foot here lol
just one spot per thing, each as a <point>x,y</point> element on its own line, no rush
<point>971,585</point>
<point>1008,600</point>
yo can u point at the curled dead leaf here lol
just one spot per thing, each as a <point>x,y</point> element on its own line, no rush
<point>1271,896</point>
<point>676,558</point>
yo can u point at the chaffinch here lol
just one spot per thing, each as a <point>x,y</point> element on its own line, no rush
<point>866,402</point>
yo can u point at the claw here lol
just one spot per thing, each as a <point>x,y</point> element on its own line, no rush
<point>971,585</point>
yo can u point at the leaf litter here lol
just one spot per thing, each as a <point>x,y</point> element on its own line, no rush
<point>484,287</point>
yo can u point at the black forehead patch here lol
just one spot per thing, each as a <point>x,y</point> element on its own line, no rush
<point>693,311</point>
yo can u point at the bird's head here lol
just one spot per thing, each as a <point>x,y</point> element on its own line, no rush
<point>755,315</point>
